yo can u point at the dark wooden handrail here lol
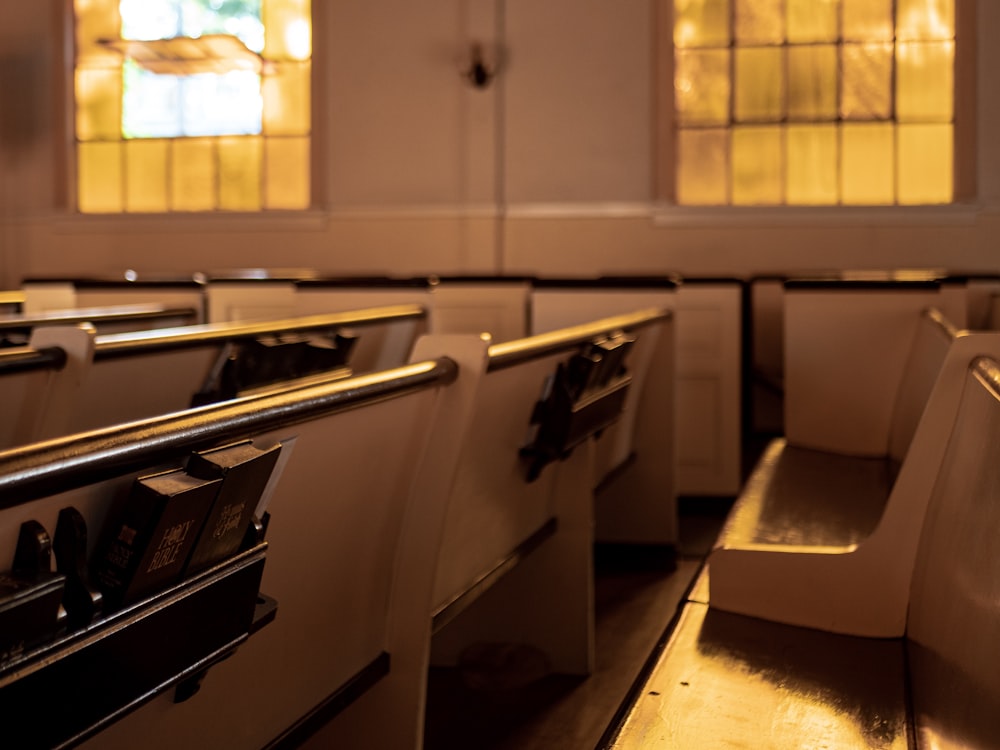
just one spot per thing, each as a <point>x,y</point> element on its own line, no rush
<point>510,353</point>
<point>40,469</point>
<point>108,314</point>
<point>21,358</point>
<point>119,344</point>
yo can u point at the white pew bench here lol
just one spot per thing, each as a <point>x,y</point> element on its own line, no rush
<point>725,680</point>
<point>130,288</point>
<point>347,543</point>
<point>708,368</point>
<point>826,539</point>
<point>514,558</point>
<point>499,513</point>
<point>142,374</point>
<point>107,319</point>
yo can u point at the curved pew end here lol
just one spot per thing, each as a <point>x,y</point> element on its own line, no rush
<point>51,396</point>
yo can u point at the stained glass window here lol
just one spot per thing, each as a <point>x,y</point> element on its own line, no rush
<point>814,102</point>
<point>192,105</point>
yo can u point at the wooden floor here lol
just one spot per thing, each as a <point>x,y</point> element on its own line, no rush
<point>505,703</point>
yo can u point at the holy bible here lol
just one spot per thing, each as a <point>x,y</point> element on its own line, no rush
<point>153,539</point>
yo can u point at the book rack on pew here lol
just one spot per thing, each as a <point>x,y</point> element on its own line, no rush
<point>98,673</point>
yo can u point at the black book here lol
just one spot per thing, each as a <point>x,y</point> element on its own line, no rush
<point>151,543</point>
<point>245,471</point>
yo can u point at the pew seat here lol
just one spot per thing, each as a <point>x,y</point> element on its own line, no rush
<point>728,680</point>
<point>827,540</point>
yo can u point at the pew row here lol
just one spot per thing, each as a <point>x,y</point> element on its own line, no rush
<point>726,679</point>
<point>109,319</point>
<point>134,375</point>
<point>353,519</point>
<point>828,540</point>
<point>707,362</point>
<point>514,563</point>
<point>130,288</point>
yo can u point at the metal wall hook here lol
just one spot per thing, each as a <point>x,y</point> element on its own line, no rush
<point>479,73</point>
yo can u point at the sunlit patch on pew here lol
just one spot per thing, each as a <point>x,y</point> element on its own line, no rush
<point>586,395</point>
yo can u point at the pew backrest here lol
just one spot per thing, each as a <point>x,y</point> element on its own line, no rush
<point>142,374</point>
<point>355,483</point>
<point>109,319</point>
<point>497,504</point>
<point>846,348</point>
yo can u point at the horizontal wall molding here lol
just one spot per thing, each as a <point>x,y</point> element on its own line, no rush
<point>816,216</point>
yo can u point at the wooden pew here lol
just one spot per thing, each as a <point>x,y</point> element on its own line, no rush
<point>128,288</point>
<point>455,304</point>
<point>109,319</point>
<point>355,513</point>
<point>708,378</point>
<point>40,383</point>
<point>514,562</point>
<point>502,513</point>
<point>828,539</point>
<point>11,302</point>
<point>637,503</point>
<point>142,374</point>
<point>725,680</point>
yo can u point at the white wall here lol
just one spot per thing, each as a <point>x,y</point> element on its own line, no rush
<point>549,170</point>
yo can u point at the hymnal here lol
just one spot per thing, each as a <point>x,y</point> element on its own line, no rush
<point>244,470</point>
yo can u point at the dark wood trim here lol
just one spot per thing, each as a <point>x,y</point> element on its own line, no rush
<point>332,705</point>
<point>452,609</point>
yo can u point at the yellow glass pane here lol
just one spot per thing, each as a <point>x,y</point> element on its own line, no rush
<point>813,20</point>
<point>702,167</point>
<point>701,23</point>
<point>760,21</point>
<point>925,168</point>
<point>193,174</point>
<point>811,165</point>
<point>759,84</point>
<point>867,163</point>
<point>867,20</point>
<point>702,87</point>
<point>286,100</point>
<point>924,20</point>
<point>240,161</point>
<point>146,175</point>
<point>757,165</point>
<point>99,177</point>
<point>289,29</point>
<point>96,19</point>
<point>287,173</point>
<point>866,86</point>
<point>812,82</point>
<point>925,82</point>
<point>98,104</point>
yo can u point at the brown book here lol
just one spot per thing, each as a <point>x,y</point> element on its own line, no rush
<point>245,471</point>
<point>151,543</point>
